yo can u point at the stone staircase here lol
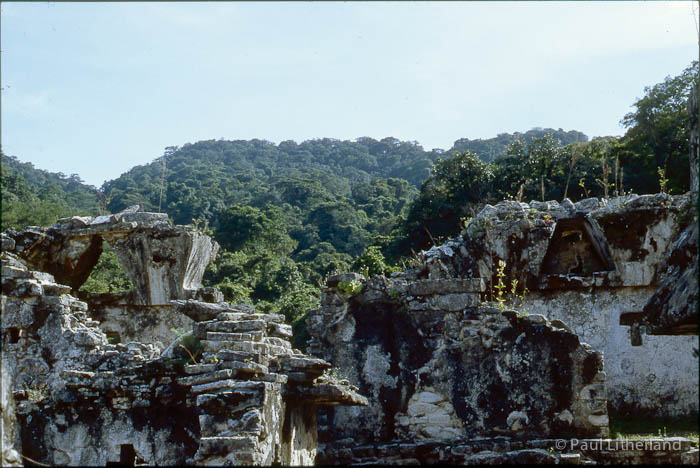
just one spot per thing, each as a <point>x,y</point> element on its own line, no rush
<point>247,375</point>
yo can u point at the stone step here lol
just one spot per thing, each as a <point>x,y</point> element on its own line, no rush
<point>211,386</point>
<point>55,289</point>
<point>275,341</point>
<point>24,288</point>
<point>200,311</point>
<point>304,364</point>
<point>280,330</point>
<point>207,377</point>
<point>230,355</point>
<point>199,368</point>
<point>245,346</point>
<point>271,377</point>
<point>280,350</point>
<point>223,336</point>
<point>230,326</point>
<point>245,367</point>
<point>223,445</point>
<point>9,271</point>
<point>231,316</point>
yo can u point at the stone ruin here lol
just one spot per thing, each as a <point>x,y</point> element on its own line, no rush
<point>71,396</point>
<point>453,379</point>
<point>430,365</point>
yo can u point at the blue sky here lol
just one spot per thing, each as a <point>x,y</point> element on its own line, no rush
<point>97,88</point>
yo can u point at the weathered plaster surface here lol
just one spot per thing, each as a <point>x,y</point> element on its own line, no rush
<point>660,376</point>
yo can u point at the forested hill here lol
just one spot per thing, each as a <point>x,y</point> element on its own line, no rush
<point>240,171</point>
<point>38,197</point>
<point>346,162</point>
<point>490,149</point>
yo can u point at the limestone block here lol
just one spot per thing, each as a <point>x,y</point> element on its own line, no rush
<point>429,287</point>
<point>164,263</point>
<point>199,311</point>
<point>6,242</point>
<point>333,280</point>
<point>588,204</point>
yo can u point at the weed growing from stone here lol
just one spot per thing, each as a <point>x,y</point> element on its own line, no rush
<point>582,184</point>
<point>663,180</point>
<point>190,344</point>
<point>350,287</point>
<point>501,290</point>
<point>36,393</point>
<point>500,285</point>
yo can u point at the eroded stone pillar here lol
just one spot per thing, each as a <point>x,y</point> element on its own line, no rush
<point>164,262</point>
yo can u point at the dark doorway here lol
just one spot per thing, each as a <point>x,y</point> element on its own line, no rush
<point>127,456</point>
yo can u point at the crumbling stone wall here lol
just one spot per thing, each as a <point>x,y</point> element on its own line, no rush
<point>123,321</point>
<point>673,309</point>
<point>435,364</point>
<point>78,399</point>
<point>163,262</point>
<point>441,366</point>
<point>449,377</point>
<point>588,264</point>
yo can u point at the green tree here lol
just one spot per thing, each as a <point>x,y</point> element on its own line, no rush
<point>108,276</point>
<point>249,227</point>
<point>532,171</point>
<point>658,134</point>
<point>456,187</point>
